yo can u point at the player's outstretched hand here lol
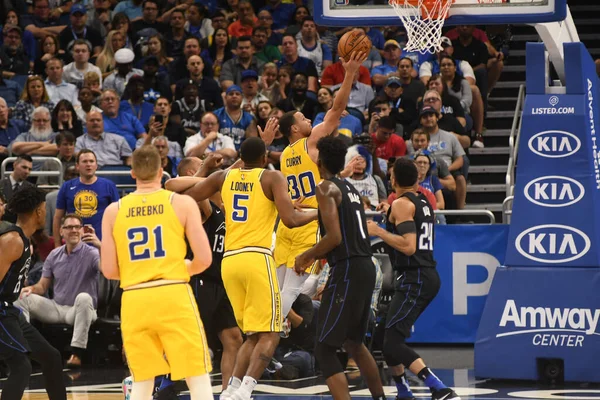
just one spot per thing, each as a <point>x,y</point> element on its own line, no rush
<point>356,59</point>
<point>213,161</point>
<point>302,263</point>
<point>373,228</point>
<point>271,129</point>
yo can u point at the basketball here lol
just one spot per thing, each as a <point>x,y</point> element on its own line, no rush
<point>355,40</point>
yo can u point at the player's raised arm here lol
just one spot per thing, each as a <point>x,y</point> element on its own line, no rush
<point>186,208</point>
<point>277,186</point>
<point>405,238</point>
<point>109,264</point>
<point>11,245</point>
<point>332,117</point>
<point>209,186</point>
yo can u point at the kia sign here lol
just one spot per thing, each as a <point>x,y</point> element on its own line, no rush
<point>554,191</point>
<point>554,144</point>
<point>552,244</point>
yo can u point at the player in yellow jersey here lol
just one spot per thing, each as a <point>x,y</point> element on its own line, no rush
<point>143,245</point>
<point>299,165</point>
<point>252,197</point>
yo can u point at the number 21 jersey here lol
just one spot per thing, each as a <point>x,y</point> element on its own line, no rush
<point>149,239</point>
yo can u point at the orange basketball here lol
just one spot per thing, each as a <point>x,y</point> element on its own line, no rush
<point>355,40</point>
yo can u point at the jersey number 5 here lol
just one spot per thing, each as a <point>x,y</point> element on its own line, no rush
<point>240,210</point>
<point>139,243</point>
<point>301,185</point>
<point>426,236</point>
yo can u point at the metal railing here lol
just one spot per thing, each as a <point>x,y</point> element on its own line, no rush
<point>507,209</point>
<point>513,143</point>
<point>125,173</point>
<point>487,213</point>
<point>54,160</point>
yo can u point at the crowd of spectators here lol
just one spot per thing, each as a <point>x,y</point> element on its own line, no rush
<point>89,81</point>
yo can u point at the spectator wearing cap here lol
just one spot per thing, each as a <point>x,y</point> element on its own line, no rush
<point>404,111</point>
<point>231,73</point>
<point>13,58</point>
<point>445,146</point>
<point>208,89</point>
<point>391,58</point>
<point>57,88</point>
<point>110,148</point>
<point>79,30</point>
<point>65,141</point>
<point>334,75</point>
<point>281,13</point>
<point>156,84</point>
<point>124,70</point>
<point>262,50</point>
<point>246,20</point>
<point>233,121</point>
<point>41,23</point>
<point>131,8</point>
<point>9,129</point>
<point>297,99</point>
<point>133,102</point>
<point>149,24</point>
<point>387,143</point>
<point>250,94</point>
<point>176,35</point>
<point>209,140</point>
<point>310,47</point>
<point>446,121</point>
<point>298,63</point>
<point>412,88</point>
<point>121,123</point>
<point>75,71</point>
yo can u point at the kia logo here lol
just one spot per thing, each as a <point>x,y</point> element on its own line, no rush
<point>554,144</point>
<point>552,244</point>
<point>554,191</point>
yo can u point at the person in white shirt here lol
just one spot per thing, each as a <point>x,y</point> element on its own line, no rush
<point>75,71</point>
<point>123,71</point>
<point>209,140</point>
<point>56,87</point>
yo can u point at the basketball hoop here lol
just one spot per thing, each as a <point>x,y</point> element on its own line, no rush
<point>423,21</point>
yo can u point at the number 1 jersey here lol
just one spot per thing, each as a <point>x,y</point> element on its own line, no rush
<point>149,239</point>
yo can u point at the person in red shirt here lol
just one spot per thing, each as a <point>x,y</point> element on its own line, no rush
<point>246,23</point>
<point>334,75</point>
<point>387,143</point>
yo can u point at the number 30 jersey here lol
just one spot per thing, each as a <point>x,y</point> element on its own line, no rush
<point>301,172</point>
<point>149,239</point>
<point>249,215</point>
<point>424,221</point>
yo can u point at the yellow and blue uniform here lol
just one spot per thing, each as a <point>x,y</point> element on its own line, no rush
<point>248,269</point>
<point>163,319</point>
<point>303,176</point>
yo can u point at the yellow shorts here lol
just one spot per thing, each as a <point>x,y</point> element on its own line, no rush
<point>163,333</point>
<point>250,280</point>
<point>290,243</point>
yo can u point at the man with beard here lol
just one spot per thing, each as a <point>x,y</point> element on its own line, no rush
<point>12,54</point>
<point>297,100</point>
<point>39,140</point>
<point>233,121</point>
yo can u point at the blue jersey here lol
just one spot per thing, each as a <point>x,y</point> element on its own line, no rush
<point>87,201</point>
<point>349,125</point>
<point>126,125</point>
<point>235,130</point>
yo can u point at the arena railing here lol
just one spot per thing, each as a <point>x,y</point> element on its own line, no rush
<point>487,213</point>
<point>507,209</point>
<point>513,142</point>
<point>36,160</point>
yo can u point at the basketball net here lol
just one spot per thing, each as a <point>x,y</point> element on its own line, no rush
<point>423,21</point>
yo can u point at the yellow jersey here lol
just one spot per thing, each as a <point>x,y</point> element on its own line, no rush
<point>149,239</point>
<point>249,215</point>
<point>301,172</point>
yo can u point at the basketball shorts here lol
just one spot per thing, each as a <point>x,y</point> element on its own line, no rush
<point>290,243</point>
<point>163,333</point>
<point>346,303</point>
<point>15,332</point>
<point>414,290</point>
<point>250,280</point>
<point>214,305</point>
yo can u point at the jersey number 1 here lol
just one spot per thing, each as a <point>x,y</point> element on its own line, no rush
<point>139,239</point>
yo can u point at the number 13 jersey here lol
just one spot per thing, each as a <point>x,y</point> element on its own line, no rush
<point>149,239</point>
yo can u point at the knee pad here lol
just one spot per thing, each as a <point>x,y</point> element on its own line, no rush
<point>329,363</point>
<point>395,349</point>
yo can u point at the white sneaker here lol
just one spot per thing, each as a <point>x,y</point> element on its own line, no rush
<point>478,142</point>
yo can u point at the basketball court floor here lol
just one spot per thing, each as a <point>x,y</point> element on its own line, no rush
<point>453,365</point>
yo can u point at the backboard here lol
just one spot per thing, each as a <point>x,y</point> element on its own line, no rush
<point>462,12</point>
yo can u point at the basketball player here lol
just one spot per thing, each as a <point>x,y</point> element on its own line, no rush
<point>299,165</point>
<point>252,198</point>
<point>409,234</point>
<point>346,301</point>
<point>18,339</point>
<point>144,246</point>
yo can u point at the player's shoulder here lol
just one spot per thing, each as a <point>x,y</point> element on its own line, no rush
<point>12,244</point>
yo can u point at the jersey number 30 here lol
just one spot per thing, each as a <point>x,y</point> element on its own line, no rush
<point>139,243</point>
<point>301,185</point>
